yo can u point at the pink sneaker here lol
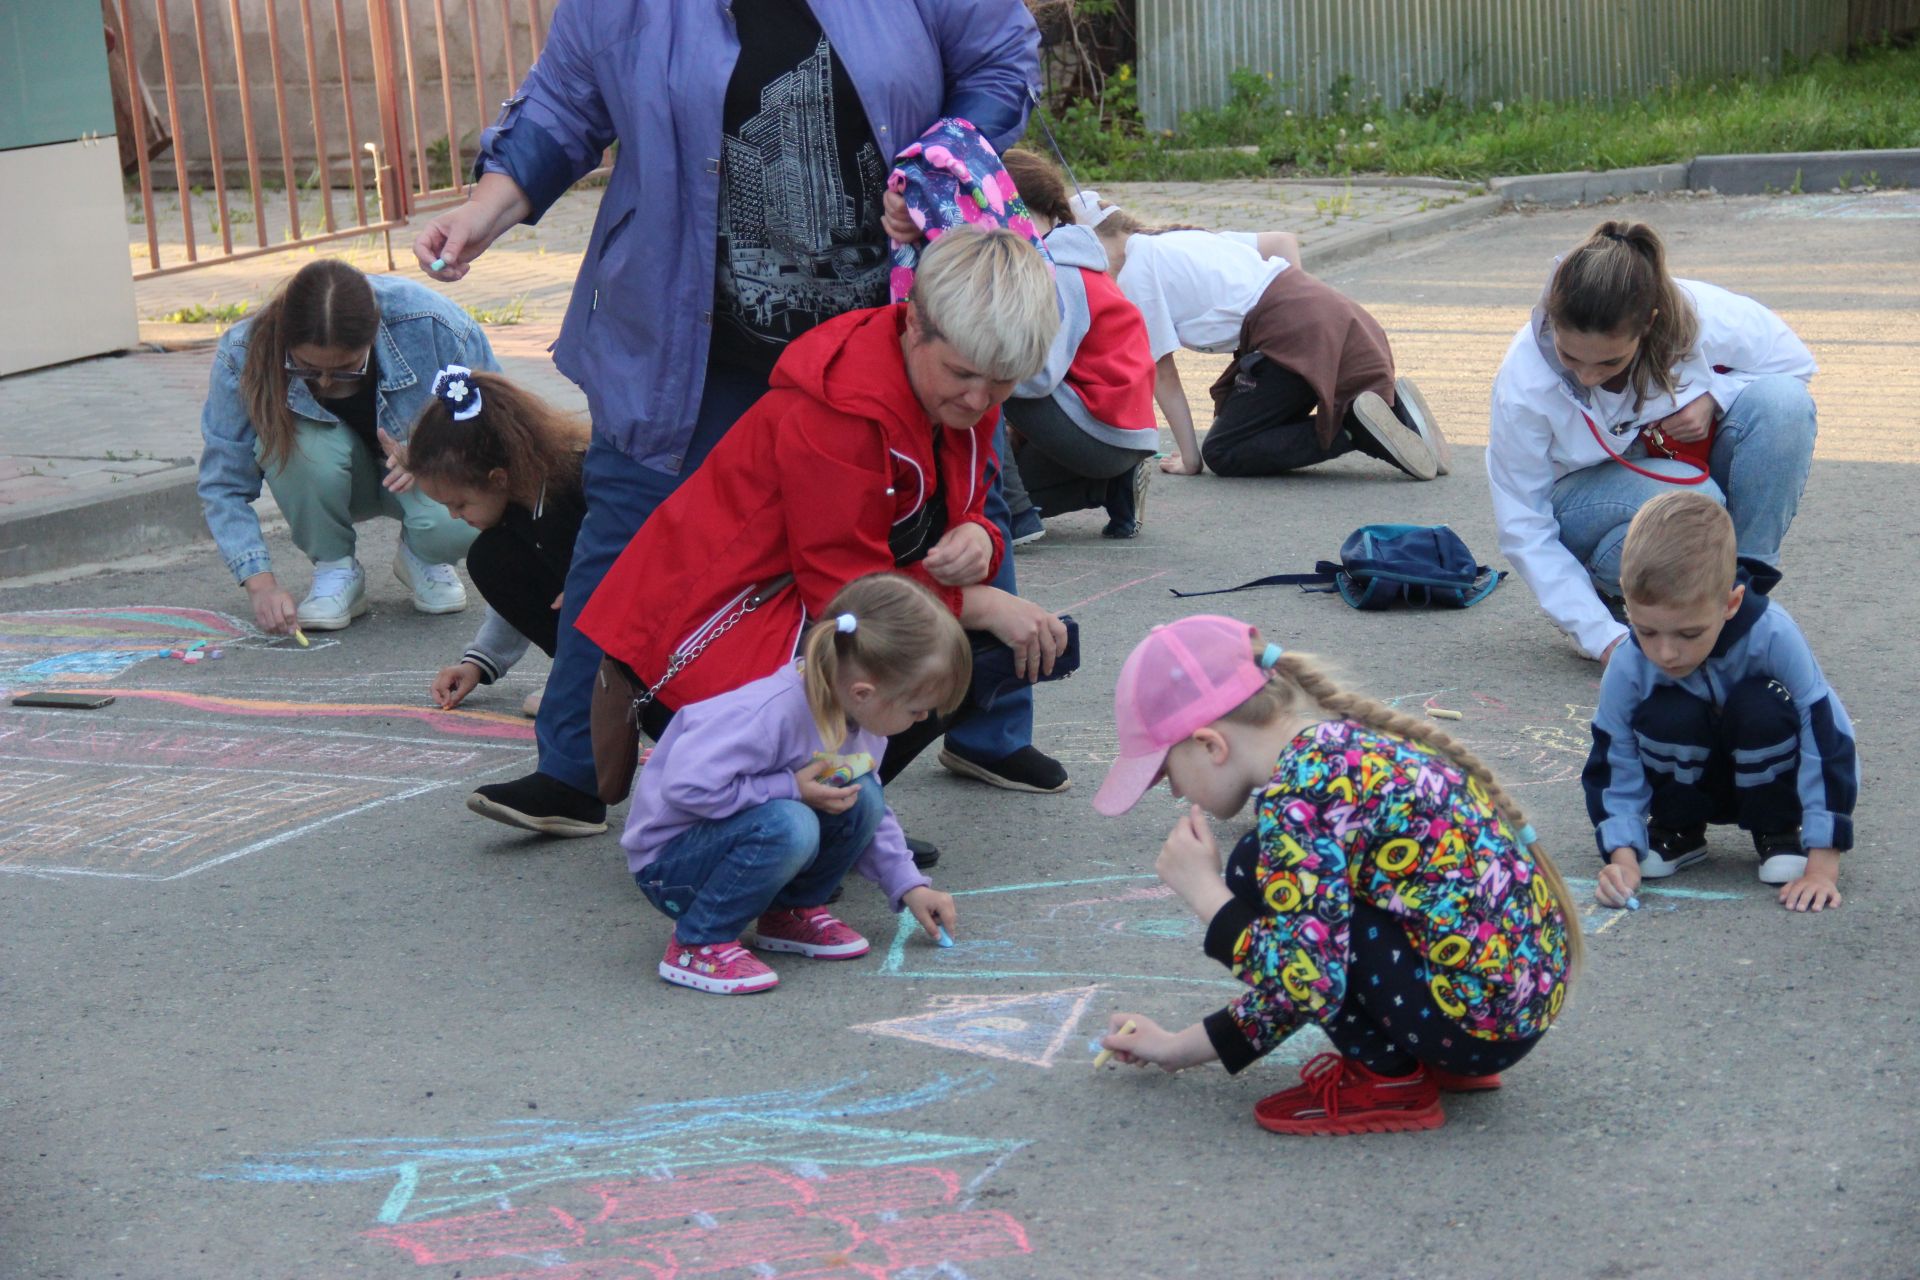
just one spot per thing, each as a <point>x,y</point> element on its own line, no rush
<point>724,968</point>
<point>807,931</point>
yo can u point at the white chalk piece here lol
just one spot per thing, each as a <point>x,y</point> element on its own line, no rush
<point>1441,713</point>
<point>1100,1059</point>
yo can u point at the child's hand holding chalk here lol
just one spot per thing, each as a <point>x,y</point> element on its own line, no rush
<point>1127,1028</point>
<point>935,912</point>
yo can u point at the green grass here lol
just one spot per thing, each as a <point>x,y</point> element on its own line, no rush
<point>509,314</point>
<point>222,314</point>
<point>1867,100</point>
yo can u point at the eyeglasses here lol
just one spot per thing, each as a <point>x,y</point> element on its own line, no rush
<point>334,375</point>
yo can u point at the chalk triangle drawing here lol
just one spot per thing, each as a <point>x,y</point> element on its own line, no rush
<point>1026,1028</point>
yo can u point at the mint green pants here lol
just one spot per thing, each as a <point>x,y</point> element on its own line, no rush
<point>331,481</point>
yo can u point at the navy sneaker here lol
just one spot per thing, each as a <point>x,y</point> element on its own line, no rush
<point>1671,849</point>
<point>1127,501</point>
<point>1028,527</point>
<point>1783,859</point>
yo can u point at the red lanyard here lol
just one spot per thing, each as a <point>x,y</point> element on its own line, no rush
<point>1700,477</point>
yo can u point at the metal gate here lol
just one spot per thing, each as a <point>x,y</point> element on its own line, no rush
<point>348,125</point>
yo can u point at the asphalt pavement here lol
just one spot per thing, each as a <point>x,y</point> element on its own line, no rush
<point>275,1004</point>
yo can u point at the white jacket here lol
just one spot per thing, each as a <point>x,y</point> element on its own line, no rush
<point>1538,433</point>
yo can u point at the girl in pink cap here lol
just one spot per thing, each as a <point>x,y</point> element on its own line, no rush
<point>1390,892</point>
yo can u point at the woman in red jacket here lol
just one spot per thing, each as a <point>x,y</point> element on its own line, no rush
<point>869,452</point>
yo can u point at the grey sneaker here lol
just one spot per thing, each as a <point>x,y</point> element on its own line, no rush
<point>1403,446</point>
<point>1415,412</point>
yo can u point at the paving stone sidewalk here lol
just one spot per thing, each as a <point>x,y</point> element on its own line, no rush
<point>97,458</point>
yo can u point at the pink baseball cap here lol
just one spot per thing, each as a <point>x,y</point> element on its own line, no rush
<point>1182,677</point>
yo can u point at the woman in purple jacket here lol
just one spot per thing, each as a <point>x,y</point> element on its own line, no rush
<point>746,205</point>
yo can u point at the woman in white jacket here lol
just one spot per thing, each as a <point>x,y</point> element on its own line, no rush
<point>1619,366</point>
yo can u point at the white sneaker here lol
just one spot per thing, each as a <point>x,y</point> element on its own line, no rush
<point>338,595</point>
<point>436,587</point>
<point>1783,868</point>
<point>1421,416</point>
<point>1406,448</point>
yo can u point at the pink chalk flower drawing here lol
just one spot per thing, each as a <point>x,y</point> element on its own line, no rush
<point>738,1221</point>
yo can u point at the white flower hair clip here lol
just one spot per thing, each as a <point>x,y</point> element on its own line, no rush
<point>846,624</point>
<point>454,386</point>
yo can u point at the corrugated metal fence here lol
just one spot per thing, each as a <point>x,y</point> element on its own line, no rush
<point>1477,50</point>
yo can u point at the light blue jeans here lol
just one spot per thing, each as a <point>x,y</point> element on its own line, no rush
<point>716,878</point>
<point>1761,455</point>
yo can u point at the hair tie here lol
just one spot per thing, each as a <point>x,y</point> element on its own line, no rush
<point>454,387</point>
<point>846,624</point>
<point>1270,657</point>
<point>1527,836</point>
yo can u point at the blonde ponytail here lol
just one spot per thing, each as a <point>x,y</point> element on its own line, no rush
<point>1296,671</point>
<point>899,635</point>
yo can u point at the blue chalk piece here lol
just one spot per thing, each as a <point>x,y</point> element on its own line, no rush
<point>1633,904</point>
<point>439,264</point>
<point>946,939</point>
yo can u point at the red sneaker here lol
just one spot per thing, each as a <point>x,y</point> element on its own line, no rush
<point>1453,1082</point>
<point>1338,1095</point>
<point>807,931</point>
<point>724,968</point>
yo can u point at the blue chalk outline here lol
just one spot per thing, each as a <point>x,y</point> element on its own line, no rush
<point>790,1127</point>
<point>894,964</point>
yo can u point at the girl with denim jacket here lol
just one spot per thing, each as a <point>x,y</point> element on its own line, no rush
<point>315,394</point>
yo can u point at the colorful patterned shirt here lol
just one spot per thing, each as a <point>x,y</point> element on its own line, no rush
<point>1353,812</point>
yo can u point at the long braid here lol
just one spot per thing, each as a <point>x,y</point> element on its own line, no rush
<point>1301,671</point>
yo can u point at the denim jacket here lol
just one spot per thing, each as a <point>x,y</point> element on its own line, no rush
<point>652,74</point>
<point>420,333</point>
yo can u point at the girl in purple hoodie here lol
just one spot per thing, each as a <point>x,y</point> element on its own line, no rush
<point>755,804</point>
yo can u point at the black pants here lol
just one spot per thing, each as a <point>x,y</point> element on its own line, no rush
<point>517,584</point>
<point>1058,467</point>
<point>1268,425</point>
<point>1740,764</point>
<point>1390,1021</point>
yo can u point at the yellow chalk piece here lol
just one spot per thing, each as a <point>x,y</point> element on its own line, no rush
<point>1441,713</point>
<point>1100,1058</point>
<point>301,636</point>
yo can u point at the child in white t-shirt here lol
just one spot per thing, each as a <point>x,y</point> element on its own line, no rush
<point>1312,375</point>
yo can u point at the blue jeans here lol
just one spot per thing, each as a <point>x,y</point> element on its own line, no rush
<point>716,878</point>
<point>1761,455</point>
<point>1005,727</point>
<point>621,495</point>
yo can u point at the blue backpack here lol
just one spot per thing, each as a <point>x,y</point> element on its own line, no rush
<point>1381,564</point>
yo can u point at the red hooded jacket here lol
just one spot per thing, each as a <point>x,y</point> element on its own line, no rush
<point>810,482</point>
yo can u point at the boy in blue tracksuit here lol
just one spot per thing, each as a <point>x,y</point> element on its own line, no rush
<point>1715,712</point>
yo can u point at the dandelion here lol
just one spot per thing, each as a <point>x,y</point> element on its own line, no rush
<point>1367,127</point>
<point>1289,113</point>
<point>1498,106</point>
<point>1343,133</point>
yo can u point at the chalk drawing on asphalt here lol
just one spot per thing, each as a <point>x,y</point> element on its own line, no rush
<point>92,794</point>
<point>1028,1028</point>
<point>749,1219</point>
<point>804,1131</point>
<point>64,646</point>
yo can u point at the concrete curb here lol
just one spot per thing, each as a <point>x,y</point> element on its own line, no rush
<point>150,513</point>
<point>1319,255</point>
<point>1738,175</point>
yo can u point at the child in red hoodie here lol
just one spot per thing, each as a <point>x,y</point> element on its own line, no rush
<point>1087,433</point>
